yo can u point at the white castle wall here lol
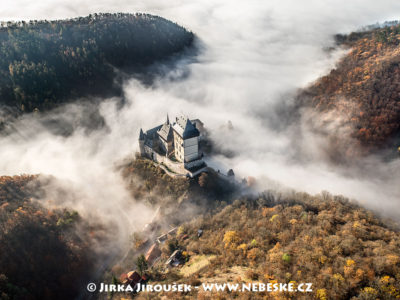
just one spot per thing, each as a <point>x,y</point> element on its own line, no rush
<point>191,149</point>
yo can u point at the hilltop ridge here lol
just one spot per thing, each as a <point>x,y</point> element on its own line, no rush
<point>45,63</point>
<point>362,92</point>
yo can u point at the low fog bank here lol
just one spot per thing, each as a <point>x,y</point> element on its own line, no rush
<point>77,160</point>
<point>254,56</point>
<point>292,156</point>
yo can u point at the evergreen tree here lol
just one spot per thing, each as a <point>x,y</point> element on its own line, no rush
<point>141,264</point>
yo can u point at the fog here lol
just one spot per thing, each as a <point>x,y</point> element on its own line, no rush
<point>253,57</point>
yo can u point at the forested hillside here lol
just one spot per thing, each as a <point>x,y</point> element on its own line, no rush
<point>41,254</point>
<point>363,90</point>
<point>43,63</point>
<point>345,251</point>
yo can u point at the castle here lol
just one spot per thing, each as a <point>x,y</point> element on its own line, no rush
<point>175,146</point>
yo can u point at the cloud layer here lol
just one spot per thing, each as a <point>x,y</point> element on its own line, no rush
<point>254,55</point>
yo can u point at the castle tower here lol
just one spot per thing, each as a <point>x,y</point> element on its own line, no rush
<point>186,140</point>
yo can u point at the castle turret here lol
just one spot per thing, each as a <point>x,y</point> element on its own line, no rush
<point>141,142</point>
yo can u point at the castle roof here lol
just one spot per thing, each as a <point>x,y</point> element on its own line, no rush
<point>151,132</point>
<point>165,131</point>
<point>185,128</point>
<point>150,135</point>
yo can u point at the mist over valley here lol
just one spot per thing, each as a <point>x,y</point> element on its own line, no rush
<point>307,120</point>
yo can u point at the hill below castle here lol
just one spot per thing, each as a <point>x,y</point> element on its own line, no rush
<point>344,250</point>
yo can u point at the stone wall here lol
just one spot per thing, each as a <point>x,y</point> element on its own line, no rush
<point>193,163</point>
<point>173,168</point>
<point>176,167</point>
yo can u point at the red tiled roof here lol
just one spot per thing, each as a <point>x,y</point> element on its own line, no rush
<point>134,276</point>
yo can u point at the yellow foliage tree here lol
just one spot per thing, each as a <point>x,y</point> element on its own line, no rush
<point>231,238</point>
<point>321,294</point>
